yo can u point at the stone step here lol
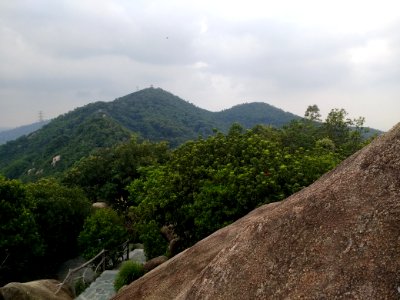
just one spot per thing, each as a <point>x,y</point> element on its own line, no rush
<point>102,288</point>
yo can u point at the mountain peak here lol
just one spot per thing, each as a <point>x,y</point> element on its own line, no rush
<point>152,113</point>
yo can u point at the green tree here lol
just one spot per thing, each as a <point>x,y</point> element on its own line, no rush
<point>337,126</point>
<point>20,243</point>
<point>347,134</point>
<point>104,175</point>
<point>211,182</point>
<point>59,213</point>
<point>104,229</point>
<point>303,132</point>
<point>312,113</point>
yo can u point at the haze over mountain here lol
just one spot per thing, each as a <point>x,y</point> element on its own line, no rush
<point>14,133</point>
<point>151,113</point>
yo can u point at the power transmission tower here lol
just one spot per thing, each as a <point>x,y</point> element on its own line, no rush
<point>41,116</point>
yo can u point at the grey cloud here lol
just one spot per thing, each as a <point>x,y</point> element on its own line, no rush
<point>99,50</point>
<point>277,51</point>
<point>70,31</point>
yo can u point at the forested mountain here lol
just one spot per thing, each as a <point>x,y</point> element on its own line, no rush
<point>12,134</point>
<point>158,115</point>
<point>191,190</point>
<point>68,137</point>
<point>251,114</point>
<point>153,114</point>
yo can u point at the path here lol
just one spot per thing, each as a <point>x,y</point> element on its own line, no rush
<point>102,288</point>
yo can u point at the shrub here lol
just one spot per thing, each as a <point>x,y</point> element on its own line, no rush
<point>152,239</point>
<point>80,287</point>
<point>129,271</point>
<point>104,229</point>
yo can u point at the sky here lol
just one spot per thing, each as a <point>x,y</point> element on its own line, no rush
<point>59,55</point>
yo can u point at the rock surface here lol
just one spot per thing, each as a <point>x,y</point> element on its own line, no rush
<point>154,263</point>
<point>337,239</point>
<point>34,290</point>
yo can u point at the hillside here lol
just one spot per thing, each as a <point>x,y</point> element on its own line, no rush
<point>158,115</point>
<point>71,136</point>
<point>12,134</point>
<point>336,239</point>
<point>153,114</point>
<point>251,114</point>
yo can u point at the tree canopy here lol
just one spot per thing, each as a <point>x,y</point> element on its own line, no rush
<point>194,189</point>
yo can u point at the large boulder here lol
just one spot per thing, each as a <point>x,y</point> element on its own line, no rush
<point>36,290</point>
<point>338,238</point>
<point>154,263</point>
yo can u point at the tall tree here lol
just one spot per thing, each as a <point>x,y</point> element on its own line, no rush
<point>59,213</point>
<point>20,242</point>
<point>312,113</point>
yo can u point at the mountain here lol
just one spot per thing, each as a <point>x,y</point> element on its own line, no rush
<point>251,114</point>
<point>152,113</point>
<point>60,143</point>
<point>336,239</point>
<point>158,115</point>
<point>12,134</point>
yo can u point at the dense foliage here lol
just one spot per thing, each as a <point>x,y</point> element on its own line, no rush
<point>19,235</point>
<point>210,183</point>
<point>70,137</point>
<point>12,134</point>
<point>59,213</point>
<point>39,226</point>
<point>195,189</point>
<point>154,114</point>
<point>104,229</point>
<point>261,113</point>
<point>104,175</point>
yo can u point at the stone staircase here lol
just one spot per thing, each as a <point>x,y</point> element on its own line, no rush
<point>102,288</point>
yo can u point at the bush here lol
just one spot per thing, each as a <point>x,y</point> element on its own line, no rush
<point>129,272</point>
<point>104,229</point>
<point>80,287</point>
<point>152,239</point>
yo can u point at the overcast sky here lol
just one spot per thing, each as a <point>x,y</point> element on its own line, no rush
<point>58,55</point>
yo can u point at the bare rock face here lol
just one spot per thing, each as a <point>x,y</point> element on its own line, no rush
<point>337,239</point>
<point>35,290</point>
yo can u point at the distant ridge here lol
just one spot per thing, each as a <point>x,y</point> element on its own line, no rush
<point>152,113</point>
<point>251,114</point>
<point>14,133</point>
